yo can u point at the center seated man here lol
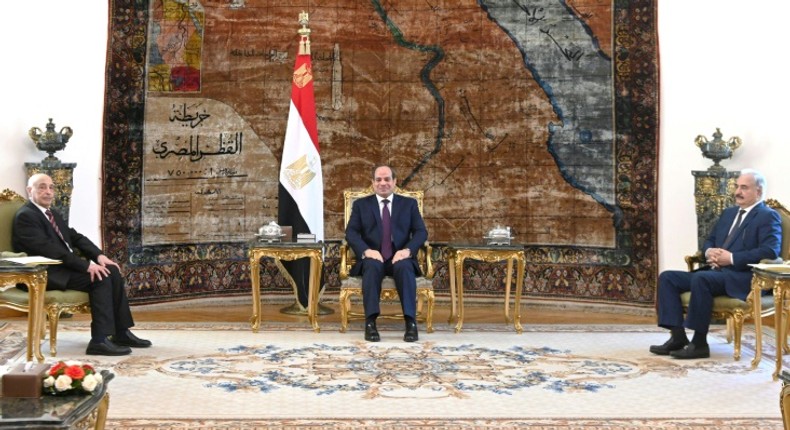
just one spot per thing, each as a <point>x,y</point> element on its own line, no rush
<point>385,231</point>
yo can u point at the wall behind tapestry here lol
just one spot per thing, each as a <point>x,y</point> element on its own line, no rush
<point>540,115</point>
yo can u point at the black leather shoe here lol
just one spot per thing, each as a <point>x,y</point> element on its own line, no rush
<point>691,351</point>
<point>411,332</point>
<point>371,332</point>
<point>129,339</point>
<point>671,345</point>
<point>107,347</point>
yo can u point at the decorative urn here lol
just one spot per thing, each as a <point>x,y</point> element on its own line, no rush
<point>50,141</point>
<point>717,149</point>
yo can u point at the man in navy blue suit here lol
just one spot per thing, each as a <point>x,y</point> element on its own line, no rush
<point>743,235</point>
<point>381,253</point>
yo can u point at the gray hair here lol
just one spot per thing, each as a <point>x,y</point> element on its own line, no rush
<point>759,180</point>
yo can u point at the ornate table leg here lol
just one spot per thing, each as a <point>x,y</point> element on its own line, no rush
<point>521,267</point>
<point>508,279</point>
<point>778,324</point>
<point>451,274</point>
<point>255,276</point>
<point>459,280</point>
<point>312,291</point>
<point>757,311</point>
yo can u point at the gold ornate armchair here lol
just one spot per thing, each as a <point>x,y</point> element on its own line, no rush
<point>352,286</point>
<point>735,311</point>
<point>55,302</point>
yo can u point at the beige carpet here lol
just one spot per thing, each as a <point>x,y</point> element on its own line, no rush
<point>553,377</point>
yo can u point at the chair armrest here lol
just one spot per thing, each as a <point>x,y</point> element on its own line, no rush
<point>9,254</point>
<point>428,260</point>
<point>694,261</point>
<point>344,259</point>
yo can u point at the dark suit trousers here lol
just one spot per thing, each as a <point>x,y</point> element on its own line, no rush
<point>704,286</point>
<point>402,272</point>
<point>110,313</point>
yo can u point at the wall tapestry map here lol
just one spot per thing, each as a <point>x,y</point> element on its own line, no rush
<point>538,115</point>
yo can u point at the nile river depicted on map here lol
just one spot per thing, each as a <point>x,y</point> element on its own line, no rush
<point>502,111</point>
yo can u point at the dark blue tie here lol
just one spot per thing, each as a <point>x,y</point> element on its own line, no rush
<point>735,228</point>
<point>386,232</point>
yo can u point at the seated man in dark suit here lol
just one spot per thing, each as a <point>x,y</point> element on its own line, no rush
<point>38,230</point>
<point>385,231</point>
<point>743,235</point>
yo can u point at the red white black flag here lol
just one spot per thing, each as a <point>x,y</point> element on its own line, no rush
<point>301,190</point>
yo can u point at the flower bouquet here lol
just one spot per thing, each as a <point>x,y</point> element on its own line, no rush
<point>67,377</point>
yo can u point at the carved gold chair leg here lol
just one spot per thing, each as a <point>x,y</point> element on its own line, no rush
<point>430,299</point>
<point>345,304</point>
<point>737,325</point>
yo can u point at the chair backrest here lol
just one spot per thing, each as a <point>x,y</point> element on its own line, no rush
<point>784,213</point>
<point>10,202</point>
<point>348,259</point>
<point>350,196</point>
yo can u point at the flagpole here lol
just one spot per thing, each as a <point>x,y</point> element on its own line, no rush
<point>301,181</point>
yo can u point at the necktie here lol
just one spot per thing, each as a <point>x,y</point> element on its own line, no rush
<point>386,232</point>
<point>735,228</point>
<point>54,224</point>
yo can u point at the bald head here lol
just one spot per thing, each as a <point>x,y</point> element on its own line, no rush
<point>41,190</point>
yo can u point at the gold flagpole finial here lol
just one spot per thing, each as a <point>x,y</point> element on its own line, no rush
<point>304,32</point>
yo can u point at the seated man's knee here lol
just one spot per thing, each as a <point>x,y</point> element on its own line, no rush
<point>371,264</point>
<point>404,267</point>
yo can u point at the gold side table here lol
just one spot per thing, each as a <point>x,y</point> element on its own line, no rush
<point>458,252</point>
<point>285,251</point>
<point>776,279</point>
<point>35,277</point>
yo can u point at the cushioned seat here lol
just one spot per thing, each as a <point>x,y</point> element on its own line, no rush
<point>352,286</point>
<point>735,311</point>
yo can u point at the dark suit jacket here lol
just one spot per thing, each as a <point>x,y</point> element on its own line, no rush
<point>759,237</point>
<point>363,231</point>
<point>34,235</point>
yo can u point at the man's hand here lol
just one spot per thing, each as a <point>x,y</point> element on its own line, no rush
<point>373,254</point>
<point>401,255</point>
<point>98,272</point>
<point>104,261</point>
<point>718,257</point>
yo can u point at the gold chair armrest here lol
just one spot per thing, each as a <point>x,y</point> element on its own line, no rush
<point>344,260</point>
<point>428,260</point>
<point>694,261</point>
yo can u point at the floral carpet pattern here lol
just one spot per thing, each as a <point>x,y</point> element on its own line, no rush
<point>223,376</point>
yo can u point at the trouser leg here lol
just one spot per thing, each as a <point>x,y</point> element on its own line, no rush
<point>372,275</point>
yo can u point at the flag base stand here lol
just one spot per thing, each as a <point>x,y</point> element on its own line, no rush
<point>297,309</point>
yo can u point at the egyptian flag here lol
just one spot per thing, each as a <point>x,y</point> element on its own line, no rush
<point>301,190</point>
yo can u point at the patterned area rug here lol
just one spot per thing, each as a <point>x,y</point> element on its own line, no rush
<point>600,377</point>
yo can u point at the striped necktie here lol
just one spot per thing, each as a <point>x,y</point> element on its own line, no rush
<point>55,225</point>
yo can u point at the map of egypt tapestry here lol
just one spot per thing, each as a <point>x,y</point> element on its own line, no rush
<point>540,115</point>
